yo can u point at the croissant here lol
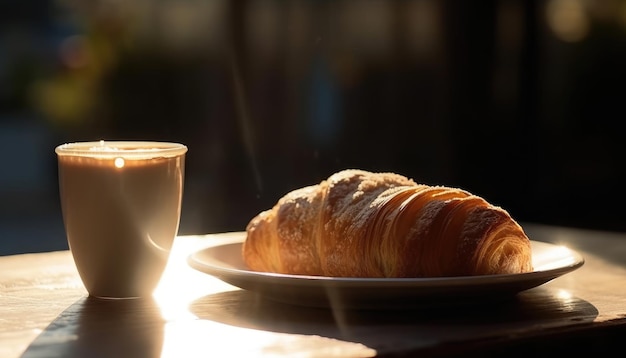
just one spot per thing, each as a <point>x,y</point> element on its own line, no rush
<point>363,224</point>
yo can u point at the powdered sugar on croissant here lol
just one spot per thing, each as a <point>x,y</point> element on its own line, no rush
<point>362,224</point>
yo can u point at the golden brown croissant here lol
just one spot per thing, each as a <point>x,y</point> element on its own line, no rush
<point>362,224</point>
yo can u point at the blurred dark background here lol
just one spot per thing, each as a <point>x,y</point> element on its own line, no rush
<point>518,101</point>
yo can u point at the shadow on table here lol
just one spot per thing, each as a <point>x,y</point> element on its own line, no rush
<point>94,327</point>
<point>135,328</point>
<point>380,329</point>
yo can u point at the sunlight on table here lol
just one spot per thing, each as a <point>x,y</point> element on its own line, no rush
<point>187,335</point>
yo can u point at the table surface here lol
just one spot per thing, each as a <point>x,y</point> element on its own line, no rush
<point>45,312</point>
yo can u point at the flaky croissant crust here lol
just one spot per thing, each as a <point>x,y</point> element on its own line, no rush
<point>362,224</point>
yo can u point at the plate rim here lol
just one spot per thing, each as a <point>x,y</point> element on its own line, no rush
<point>237,238</point>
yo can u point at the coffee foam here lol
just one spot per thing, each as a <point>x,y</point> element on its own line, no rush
<point>116,161</point>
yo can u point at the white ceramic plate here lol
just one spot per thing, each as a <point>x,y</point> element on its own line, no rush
<point>225,262</point>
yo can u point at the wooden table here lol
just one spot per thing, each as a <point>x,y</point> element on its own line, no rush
<point>45,312</point>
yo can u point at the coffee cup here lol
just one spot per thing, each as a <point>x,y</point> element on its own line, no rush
<point>121,204</point>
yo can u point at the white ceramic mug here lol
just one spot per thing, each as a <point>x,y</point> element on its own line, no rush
<point>121,203</point>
